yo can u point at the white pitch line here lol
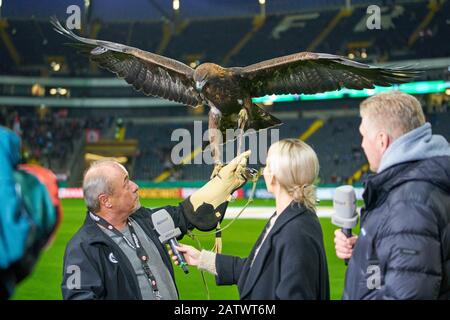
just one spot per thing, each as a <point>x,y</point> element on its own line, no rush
<point>266,212</point>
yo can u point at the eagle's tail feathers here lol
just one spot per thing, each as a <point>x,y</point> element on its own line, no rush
<point>260,119</point>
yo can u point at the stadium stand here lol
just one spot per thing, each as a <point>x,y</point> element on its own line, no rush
<point>50,136</point>
<point>337,143</point>
<point>409,29</point>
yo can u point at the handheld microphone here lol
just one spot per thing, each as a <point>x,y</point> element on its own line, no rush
<point>165,227</point>
<point>345,215</point>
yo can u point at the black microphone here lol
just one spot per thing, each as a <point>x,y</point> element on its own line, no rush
<point>345,215</point>
<point>165,227</point>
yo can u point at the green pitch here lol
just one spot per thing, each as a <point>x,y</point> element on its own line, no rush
<point>45,281</point>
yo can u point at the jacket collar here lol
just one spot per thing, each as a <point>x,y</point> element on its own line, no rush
<point>417,144</point>
<point>96,235</point>
<point>434,170</point>
<point>93,230</point>
<point>252,274</point>
<point>377,186</point>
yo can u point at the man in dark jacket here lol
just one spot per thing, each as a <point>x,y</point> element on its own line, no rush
<point>116,254</point>
<point>403,249</point>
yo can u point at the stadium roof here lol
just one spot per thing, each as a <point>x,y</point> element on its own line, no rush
<point>116,10</point>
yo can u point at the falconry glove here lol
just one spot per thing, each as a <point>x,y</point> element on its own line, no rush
<point>206,207</point>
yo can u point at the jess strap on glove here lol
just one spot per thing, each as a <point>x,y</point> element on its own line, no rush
<point>206,207</point>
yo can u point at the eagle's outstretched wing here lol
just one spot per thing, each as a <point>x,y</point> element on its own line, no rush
<point>308,73</point>
<point>150,73</point>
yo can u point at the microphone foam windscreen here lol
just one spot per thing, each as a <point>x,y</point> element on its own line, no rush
<point>344,204</point>
<point>162,221</point>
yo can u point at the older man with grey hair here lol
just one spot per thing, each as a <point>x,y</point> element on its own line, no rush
<point>116,254</point>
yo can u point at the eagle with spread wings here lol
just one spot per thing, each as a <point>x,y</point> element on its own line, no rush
<point>229,91</point>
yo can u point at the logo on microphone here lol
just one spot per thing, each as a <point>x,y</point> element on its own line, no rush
<point>162,221</point>
<point>341,203</point>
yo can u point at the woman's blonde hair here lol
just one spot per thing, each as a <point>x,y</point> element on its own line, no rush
<point>296,167</point>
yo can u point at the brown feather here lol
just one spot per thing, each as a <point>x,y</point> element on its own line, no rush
<point>150,73</point>
<point>309,73</point>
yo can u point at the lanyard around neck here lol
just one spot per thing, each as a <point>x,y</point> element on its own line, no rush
<point>136,245</point>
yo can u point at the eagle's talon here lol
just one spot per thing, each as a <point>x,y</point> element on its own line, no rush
<point>242,118</point>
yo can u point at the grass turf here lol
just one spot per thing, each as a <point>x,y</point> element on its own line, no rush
<point>238,240</point>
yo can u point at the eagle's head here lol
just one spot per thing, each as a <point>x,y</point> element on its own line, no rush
<point>204,73</point>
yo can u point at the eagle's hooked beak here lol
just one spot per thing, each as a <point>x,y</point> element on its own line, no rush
<point>199,85</point>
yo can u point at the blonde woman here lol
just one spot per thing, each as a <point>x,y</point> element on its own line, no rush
<point>288,261</point>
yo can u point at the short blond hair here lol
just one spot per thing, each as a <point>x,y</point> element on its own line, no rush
<point>296,167</point>
<point>394,111</point>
